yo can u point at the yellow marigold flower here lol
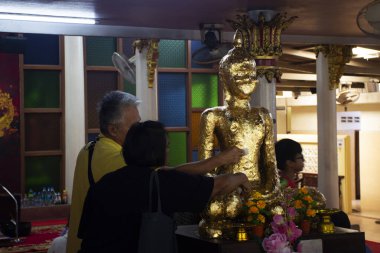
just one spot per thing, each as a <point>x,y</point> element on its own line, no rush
<point>261,218</point>
<point>308,198</point>
<point>310,212</point>
<point>261,204</point>
<point>304,190</point>
<point>253,209</point>
<point>249,203</point>
<point>298,204</point>
<point>256,195</point>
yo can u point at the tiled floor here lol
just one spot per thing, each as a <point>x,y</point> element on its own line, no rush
<point>369,222</point>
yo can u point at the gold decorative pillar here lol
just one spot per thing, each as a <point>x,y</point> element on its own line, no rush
<point>338,56</point>
<point>8,112</point>
<point>151,57</point>
<point>146,63</point>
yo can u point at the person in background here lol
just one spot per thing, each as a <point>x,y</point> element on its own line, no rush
<point>114,206</point>
<point>290,162</point>
<point>117,112</point>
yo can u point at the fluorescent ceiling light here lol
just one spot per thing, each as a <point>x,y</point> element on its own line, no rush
<point>365,53</point>
<point>42,18</point>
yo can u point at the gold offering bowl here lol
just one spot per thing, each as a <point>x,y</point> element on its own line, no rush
<point>327,226</point>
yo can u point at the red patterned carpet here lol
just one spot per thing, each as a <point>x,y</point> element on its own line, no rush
<point>374,246</point>
<point>43,232</point>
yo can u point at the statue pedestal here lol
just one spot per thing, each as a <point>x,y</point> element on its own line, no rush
<point>343,240</point>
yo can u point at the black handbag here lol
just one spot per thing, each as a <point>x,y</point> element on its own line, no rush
<point>157,230</point>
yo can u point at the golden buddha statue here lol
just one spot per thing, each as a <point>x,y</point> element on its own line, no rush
<point>238,124</point>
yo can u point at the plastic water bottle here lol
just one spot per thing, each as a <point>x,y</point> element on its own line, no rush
<point>51,196</point>
<point>25,201</point>
<point>44,196</point>
<point>58,200</point>
<point>64,197</point>
<point>31,197</point>
<point>38,199</point>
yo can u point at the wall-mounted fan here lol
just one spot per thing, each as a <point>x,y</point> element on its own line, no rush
<point>214,48</point>
<point>347,95</point>
<point>126,67</point>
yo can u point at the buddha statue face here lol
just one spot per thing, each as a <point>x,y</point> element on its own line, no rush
<point>238,71</point>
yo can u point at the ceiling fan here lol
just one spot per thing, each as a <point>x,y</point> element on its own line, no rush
<point>126,67</point>
<point>214,49</point>
<point>368,19</point>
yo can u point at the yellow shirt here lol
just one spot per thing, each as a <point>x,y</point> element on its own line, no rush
<point>107,157</point>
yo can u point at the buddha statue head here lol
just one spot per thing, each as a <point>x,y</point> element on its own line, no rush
<point>237,70</point>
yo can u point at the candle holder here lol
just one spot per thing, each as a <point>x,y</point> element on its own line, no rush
<point>241,234</point>
<point>327,226</point>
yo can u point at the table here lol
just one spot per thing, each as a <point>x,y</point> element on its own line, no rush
<point>343,240</point>
<point>53,212</point>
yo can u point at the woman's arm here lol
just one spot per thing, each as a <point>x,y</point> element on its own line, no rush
<point>226,183</point>
<point>231,155</point>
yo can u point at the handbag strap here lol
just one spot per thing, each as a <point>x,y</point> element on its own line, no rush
<point>89,170</point>
<point>154,179</point>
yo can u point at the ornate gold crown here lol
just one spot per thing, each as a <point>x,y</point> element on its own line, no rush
<point>264,37</point>
<point>263,40</point>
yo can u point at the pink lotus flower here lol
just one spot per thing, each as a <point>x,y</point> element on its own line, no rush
<point>278,219</point>
<point>292,213</point>
<point>293,232</point>
<point>279,228</point>
<point>276,243</point>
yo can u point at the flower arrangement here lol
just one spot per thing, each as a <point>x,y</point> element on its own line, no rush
<point>304,204</point>
<point>283,233</point>
<point>276,243</point>
<point>255,209</point>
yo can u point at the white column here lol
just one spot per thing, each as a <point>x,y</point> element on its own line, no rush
<point>148,108</point>
<point>265,96</point>
<point>327,135</point>
<point>74,105</point>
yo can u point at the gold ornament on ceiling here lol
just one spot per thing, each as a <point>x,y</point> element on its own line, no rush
<point>263,39</point>
<point>337,56</point>
<point>264,35</point>
<point>269,73</point>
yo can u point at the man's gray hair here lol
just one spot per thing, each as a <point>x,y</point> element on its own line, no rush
<point>110,108</point>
